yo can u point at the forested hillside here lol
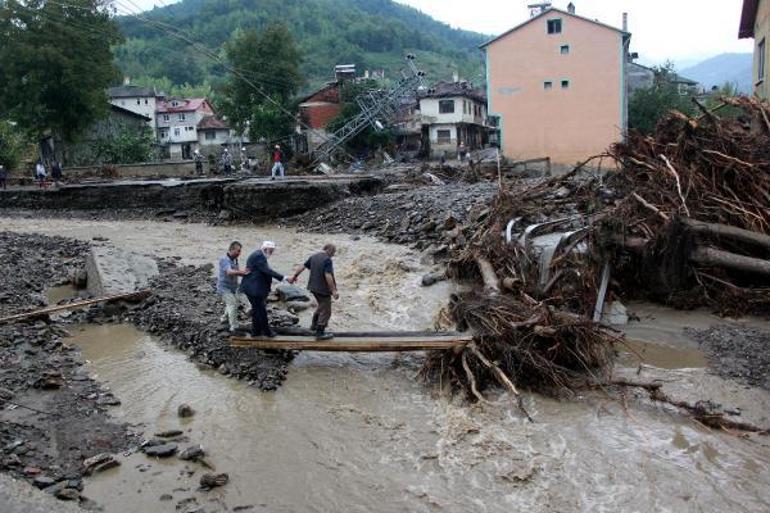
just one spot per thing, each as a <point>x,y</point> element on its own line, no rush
<point>373,34</point>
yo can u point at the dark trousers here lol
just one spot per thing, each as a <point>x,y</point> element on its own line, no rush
<point>259,323</point>
<point>323,312</point>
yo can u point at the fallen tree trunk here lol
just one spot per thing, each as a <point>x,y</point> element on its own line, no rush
<point>491,281</point>
<point>729,232</point>
<point>719,258</point>
<point>132,296</point>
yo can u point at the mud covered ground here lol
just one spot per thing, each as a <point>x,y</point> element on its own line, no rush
<point>185,311</point>
<point>52,414</point>
<point>738,353</point>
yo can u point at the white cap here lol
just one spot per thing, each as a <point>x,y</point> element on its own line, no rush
<point>268,244</point>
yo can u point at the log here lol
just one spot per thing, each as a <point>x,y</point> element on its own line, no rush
<point>354,344</point>
<point>491,281</point>
<point>719,258</point>
<point>131,296</point>
<point>501,377</point>
<point>728,232</point>
<point>304,332</point>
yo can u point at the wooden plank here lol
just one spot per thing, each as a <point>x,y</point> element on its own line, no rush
<point>306,332</point>
<point>355,344</point>
<point>132,296</point>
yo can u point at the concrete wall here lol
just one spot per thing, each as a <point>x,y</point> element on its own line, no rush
<point>567,124</point>
<point>762,32</point>
<point>160,170</point>
<point>245,199</point>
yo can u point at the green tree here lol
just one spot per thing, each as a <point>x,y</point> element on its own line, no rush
<point>647,106</point>
<point>56,64</point>
<point>128,145</point>
<point>270,63</point>
<point>12,146</point>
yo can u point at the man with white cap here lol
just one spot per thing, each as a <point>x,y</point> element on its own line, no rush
<point>256,285</point>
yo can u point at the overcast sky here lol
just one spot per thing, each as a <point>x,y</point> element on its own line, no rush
<point>685,31</point>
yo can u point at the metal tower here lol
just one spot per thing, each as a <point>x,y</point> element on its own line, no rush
<point>378,108</point>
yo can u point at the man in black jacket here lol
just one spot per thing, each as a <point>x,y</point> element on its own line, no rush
<point>256,285</point>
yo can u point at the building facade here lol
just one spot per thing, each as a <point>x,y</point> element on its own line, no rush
<point>755,23</point>
<point>140,100</point>
<point>316,111</point>
<point>557,84</point>
<point>453,113</point>
<point>177,121</point>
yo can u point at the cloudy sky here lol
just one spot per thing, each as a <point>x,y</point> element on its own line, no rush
<point>685,31</point>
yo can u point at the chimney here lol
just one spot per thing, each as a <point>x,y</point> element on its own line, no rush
<point>455,77</point>
<point>571,8</point>
<point>625,22</point>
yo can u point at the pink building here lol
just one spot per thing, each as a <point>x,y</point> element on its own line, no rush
<point>557,82</point>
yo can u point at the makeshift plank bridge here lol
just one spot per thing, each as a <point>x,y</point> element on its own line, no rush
<point>359,342</point>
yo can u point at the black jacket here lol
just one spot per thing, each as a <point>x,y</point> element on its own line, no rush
<point>260,278</point>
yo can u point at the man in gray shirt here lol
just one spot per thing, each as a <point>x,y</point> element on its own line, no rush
<point>227,283</point>
<point>323,285</point>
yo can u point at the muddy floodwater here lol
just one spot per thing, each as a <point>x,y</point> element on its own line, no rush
<point>359,433</point>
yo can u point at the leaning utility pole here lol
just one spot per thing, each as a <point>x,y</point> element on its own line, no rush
<point>378,108</point>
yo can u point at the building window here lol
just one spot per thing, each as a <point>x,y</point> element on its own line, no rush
<point>145,101</point>
<point>564,49</point>
<point>176,132</point>
<point>554,26</point>
<point>211,136</point>
<point>165,117</point>
<point>138,101</point>
<point>180,117</point>
<point>761,63</point>
<point>565,84</point>
<point>443,136</point>
<point>163,134</point>
<point>446,106</point>
<point>547,84</point>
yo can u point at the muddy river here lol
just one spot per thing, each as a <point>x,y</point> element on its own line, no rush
<point>359,433</point>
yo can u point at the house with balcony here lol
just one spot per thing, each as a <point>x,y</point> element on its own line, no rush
<point>452,113</point>
<point>557,85</point>
<point>177,124</point>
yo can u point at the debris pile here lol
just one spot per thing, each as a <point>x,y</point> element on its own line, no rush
<point>685,221</point>
<point>694,226</point>
<point>420,216</point>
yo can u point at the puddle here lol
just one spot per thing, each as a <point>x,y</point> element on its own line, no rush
<point>56,294</point>
<point>634,352</point>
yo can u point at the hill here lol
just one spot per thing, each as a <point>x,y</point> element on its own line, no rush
<point>373,34</point>
<point>727,67</point>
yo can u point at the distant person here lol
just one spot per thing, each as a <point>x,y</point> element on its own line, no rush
<point>198,158</point>
<point>462,151</point>
<point>41,175</point>
<point>3,177</point>
<point>323,285</point>
<point>227,162</point>
<point>227,283</point>
<point>257,284</point>
<point>56,173</point>
<point>277,162</point>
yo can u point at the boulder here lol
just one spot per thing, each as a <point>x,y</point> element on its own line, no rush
<point>290,293</point>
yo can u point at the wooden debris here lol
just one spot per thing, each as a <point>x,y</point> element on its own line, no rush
<point>131,297</point>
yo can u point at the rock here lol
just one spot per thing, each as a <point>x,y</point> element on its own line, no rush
<point>99,463</point>
<point>225,215</point>
<point>192,453</point>
<point>166,497</point>
<point>298,306</point>
<point>171,433</point>
<point>290,293</point>
<point>615,313</point>
<point>43,482</point>
<point>161,451</point>
<point>68,494</point>
<point>433,278</point>
<point>185,410</point>
<point>214,480</point>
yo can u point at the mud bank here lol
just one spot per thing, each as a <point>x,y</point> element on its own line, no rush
<point>250,199</point>
<point>52,414</point>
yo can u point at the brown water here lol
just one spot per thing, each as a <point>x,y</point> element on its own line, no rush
<point>359,433</point>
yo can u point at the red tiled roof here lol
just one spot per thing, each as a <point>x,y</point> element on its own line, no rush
<point>183,105</point>
<point>748,18</point>
<point>212,123</point>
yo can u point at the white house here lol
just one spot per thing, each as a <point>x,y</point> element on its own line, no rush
<point>177,121</point>
<point>454,113</point>
<point>139,100</point>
